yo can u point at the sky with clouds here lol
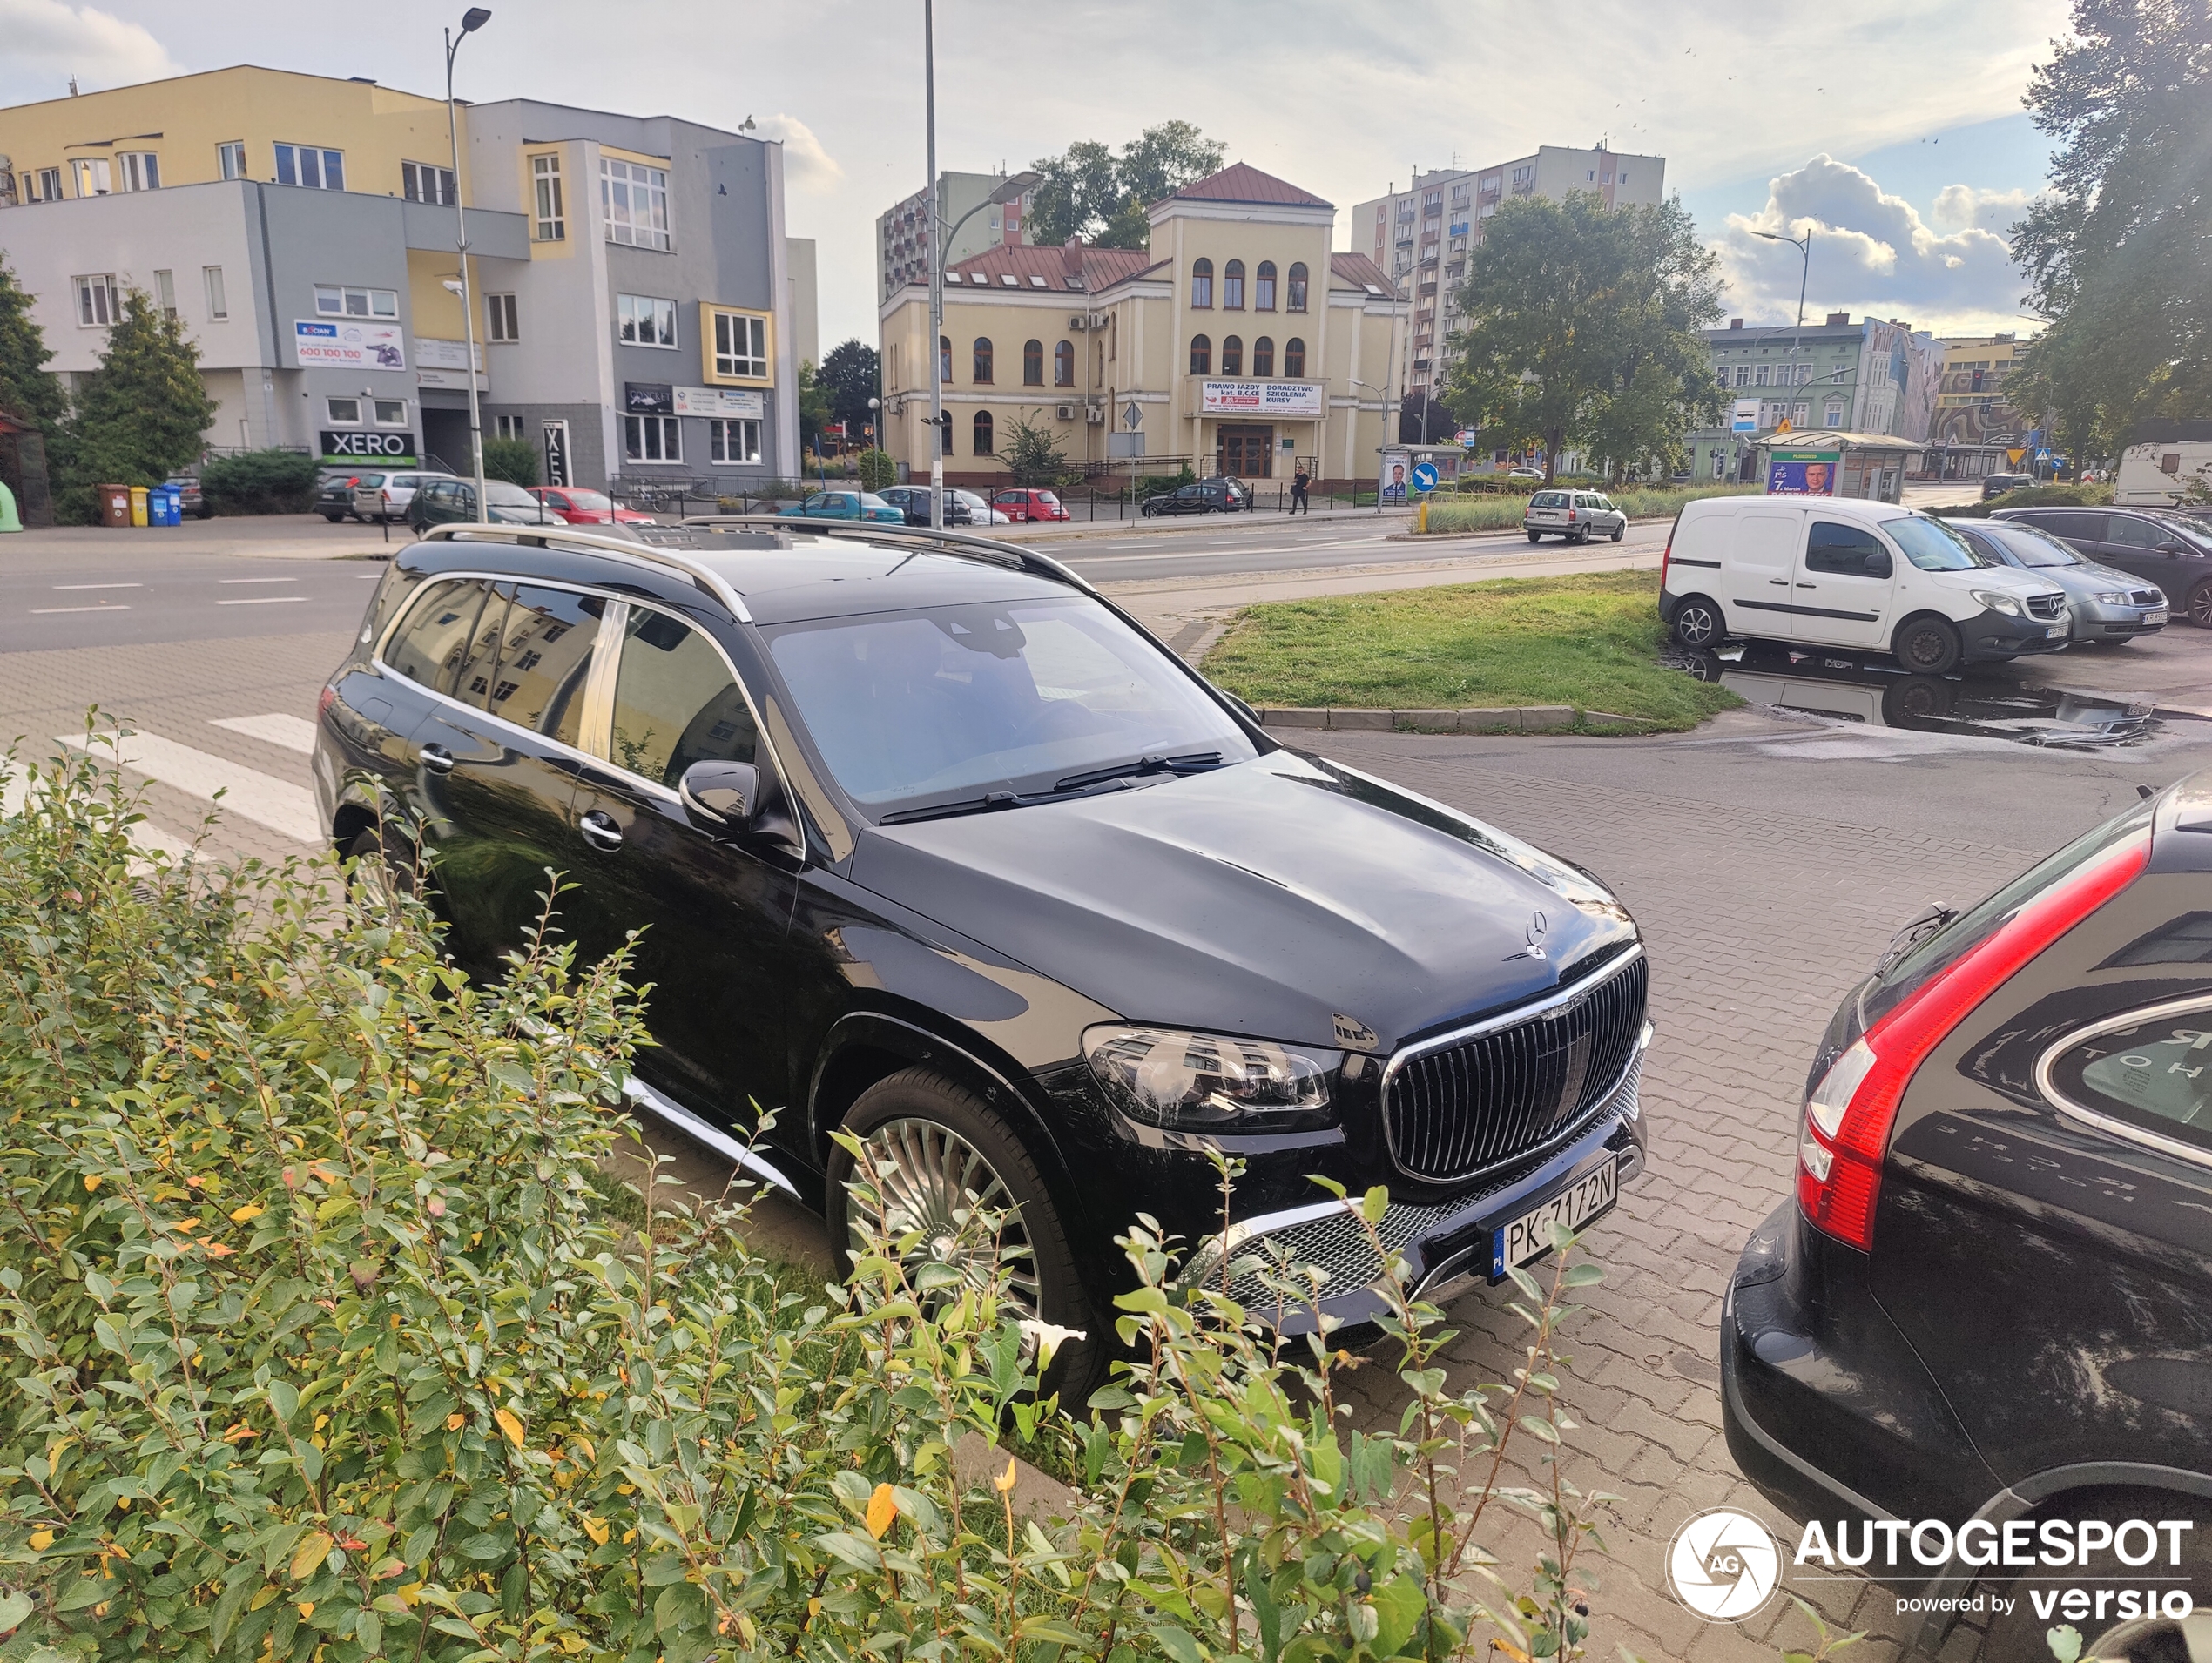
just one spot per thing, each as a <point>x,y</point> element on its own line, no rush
<point>1836,119</point>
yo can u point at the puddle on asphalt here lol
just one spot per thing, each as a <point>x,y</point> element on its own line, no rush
<point>1987,705</point>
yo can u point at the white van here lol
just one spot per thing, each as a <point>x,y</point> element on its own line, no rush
<point>1845,572</point>
<point>2159,475</point>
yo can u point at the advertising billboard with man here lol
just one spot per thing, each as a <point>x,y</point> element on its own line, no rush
<point>1802,473</point>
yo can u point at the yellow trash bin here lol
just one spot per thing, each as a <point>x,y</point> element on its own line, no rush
<point>138,505</point>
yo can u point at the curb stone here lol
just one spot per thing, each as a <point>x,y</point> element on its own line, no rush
<point>1530,719</point>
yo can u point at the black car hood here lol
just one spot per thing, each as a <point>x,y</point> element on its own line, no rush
<point>1270,898</point>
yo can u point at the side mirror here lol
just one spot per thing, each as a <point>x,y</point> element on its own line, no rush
<point>2172,551</point>
<point>721,796</point>
<point>1877,563</point>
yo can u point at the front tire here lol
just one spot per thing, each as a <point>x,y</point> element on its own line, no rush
<point>1620,531</point>
<point>2200,606</point>
<point>940,1150</point>
<point>1927,646</point>
<point>1699,623</point>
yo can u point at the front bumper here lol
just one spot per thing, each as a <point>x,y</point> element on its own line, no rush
<point>1992,636</point>
<point>1446,1246</point>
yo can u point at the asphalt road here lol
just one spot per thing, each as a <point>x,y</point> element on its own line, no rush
<point>1275,543</point>
<point>80,596</point>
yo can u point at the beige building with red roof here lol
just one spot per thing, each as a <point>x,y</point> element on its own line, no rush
<point>1237,343</point>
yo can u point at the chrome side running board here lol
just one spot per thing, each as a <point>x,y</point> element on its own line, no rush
<point>720,1141</point>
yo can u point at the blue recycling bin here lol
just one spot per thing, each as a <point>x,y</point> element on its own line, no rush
<point>166,506</point>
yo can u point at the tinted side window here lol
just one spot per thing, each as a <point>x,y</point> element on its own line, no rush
<point>430,644</point>
<point>675,704</point>
<point>2080,527</point>
<point>544,659</point>
<point>2148,1074</point>
<point>1844,549</point>
<point>2133,533</point>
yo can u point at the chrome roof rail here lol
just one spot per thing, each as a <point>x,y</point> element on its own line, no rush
<point>598,543</point>
<point>1012,555</point>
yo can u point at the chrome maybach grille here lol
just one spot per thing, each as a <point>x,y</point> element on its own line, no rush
<point>1464,1106</point>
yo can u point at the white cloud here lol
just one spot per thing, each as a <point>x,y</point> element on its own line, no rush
<point>48,42</point>
<point>1872,252</point>
<point>806,164</point>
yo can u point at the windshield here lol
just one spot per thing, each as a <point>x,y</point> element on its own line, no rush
<point>2035,548</point>
<point>597,501</point>
<point>1933,546</point>
<point>947,704</point>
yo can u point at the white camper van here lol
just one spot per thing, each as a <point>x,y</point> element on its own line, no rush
<point>2158,475</point>
<point>1842,572</point>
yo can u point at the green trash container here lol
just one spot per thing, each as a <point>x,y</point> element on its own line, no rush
<point>9,519</point>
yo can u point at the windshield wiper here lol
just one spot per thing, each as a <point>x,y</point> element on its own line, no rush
<point>1194,761</point>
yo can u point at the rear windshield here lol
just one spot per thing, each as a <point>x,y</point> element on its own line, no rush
<point>1936,951</point>
<point>1548,499</point>
<point>1933,546</point>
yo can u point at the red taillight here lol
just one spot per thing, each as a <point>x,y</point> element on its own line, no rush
<point>324,700</point>
<point>1570,516</point>
<point>1843,1133</point>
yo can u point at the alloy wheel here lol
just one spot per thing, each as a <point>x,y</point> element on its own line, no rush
<point>932,1180</point>
<point>2201,606</point>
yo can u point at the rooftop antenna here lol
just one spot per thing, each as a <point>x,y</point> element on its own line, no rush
<point>73,86</point>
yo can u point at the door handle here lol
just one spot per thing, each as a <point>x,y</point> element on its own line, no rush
<point>600,830</point>
<point>437,759</point>
<point>1807,585</point>
<point>1779,582</point>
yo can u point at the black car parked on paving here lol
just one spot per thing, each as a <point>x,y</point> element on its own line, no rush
<point>1202,496</point>
<point>913,500</point>
<point>937,845</point>
<point>1992,1295</point>
<point>2171,549</point>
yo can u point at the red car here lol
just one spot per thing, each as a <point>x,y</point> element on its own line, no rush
<point>1024,502</point>
<point>581,507</point>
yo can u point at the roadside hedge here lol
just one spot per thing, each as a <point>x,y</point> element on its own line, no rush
<point>2032,496</point>
<point>260,482</point>
<point>325,1344</point>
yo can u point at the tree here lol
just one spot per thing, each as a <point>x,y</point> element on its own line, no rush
<point>28,388</point>
<point>813,404</point>
<point>140,416</point>
<point>1033,453</point>
<point>1422,421</point>
<point>1582,329</point>
<point>851,377</point>
<point>1096,197</point>
<point>2119,254</point>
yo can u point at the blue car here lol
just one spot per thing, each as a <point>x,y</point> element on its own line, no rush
<point>844,505</point>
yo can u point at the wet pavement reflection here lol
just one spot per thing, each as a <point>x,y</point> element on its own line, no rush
<point>1986,704</point>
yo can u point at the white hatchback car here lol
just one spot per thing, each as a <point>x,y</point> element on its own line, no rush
<point>386,496</point>
<point>1840,572</point>
<point>980,510</point>
<point>1576,515</point>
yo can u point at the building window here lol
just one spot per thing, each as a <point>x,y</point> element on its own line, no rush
<point>980,366</point>
<point>732,440</point>
<point>944,359</point>
<point>218,304</point>
<point>1201,355</point>
<point>424,182</point>
<point>1033,363</point>
<point>1800,413</point>
<point>508,427</point>
<point>981,434</point>
<point>318,170</point>
<point>634,199</point>
<point>552,212</point>
<point>651,439</point>
<point>1758,376</point>
<point>644,321</point>
<point>1294,299</point>
<point>1232,355</point>
<point>1063,364</point>
<point>44,186</point>
<point>392,413</point>
<point>1833,415</point>
<point>344,412</point>
<point>1263,286</point>
<point>1720,464</point>
<point>1742,375</point>
<point>140,170</point>
<point>92,177</point>
<point>1294,357</point>
<point>165,293</point>
<point>1263,356</point>
<point>230,158</point>
<point>1723,372</point>
<point>1201,283</point>
<point>500,322</point>
<point>1232,287</point>
<point>740,345</point>
<point>98,303</point>
<point>334,300</point>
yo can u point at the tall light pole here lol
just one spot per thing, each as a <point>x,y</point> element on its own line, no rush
<point>475,18</point>
<point>937,276</point>
<point>1804,246</point>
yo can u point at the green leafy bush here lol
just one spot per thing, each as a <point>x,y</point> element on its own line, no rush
<point>512,460</point>
<point>876,469</point>
<point>260,482</point>
<point>327,1345</point>
<point>2033,496</point>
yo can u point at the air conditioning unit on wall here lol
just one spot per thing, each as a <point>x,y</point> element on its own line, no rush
<point>1079,321</point>
<point>1094,414</point>
<point>1065,413</point>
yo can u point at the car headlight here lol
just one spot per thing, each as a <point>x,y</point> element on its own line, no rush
<point>1207,1081</point>
<point>2113,597</point>
<point>1998,603</point>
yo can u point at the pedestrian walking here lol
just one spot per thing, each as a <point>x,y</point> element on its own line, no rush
<point>1299,483</point>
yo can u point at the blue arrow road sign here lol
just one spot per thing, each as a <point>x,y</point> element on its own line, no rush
<point>1424,476</point>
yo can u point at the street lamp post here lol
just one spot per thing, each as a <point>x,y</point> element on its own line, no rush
<point>475,18</point>
<point>1383,394</point>
<point>1804,246</point>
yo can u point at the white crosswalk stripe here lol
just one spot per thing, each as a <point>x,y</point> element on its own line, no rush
<point>293,732</point>
<point>249,794</point>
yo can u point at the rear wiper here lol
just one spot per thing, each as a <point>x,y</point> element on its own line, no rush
<point>1191,762</point>
<point>1922,924</point>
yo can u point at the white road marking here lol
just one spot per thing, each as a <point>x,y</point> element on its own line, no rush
<point>47,611</point>
<point>261,600</point>
<point>277,804</point>
<point>257,580</point>
<point>99,586</point>
<point>293,732</point>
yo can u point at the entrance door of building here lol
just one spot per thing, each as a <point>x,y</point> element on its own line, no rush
<point>1248,452</point>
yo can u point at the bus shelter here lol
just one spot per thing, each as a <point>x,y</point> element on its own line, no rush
<point>1831,462</point>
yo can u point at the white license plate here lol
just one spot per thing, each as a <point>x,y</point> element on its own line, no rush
<point>1590,1192</point>
<point>2054,630</point>
<point>2159,616</point>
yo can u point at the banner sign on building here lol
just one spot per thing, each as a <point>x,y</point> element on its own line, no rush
<point>365,445</point>
<point>445,363</point>
<point>1802,473</point>
<point>720,401</point>
<point>648,398</point>
<point>557,451</point>
<point>350,344</point>
<point>1291,399</point>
